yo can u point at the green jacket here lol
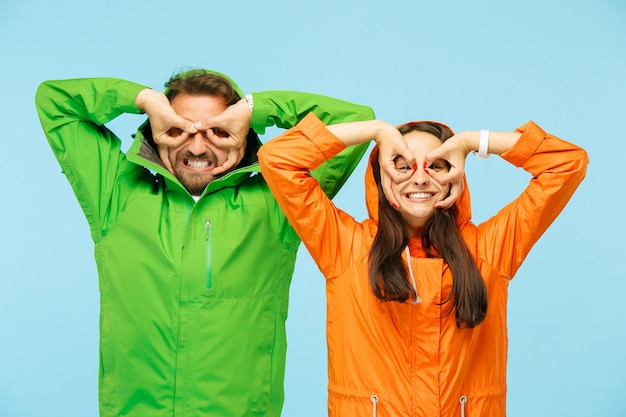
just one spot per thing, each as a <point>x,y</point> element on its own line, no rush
<point>193,295</point>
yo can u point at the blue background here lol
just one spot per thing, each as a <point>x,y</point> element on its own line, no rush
<point>471,64</point>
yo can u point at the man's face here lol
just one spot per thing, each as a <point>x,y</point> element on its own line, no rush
<point>194,160</point>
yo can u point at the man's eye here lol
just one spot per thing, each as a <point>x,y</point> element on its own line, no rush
<point>174,132</point>
<point>220,133</point>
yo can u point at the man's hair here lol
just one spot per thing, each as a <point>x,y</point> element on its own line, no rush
<point>198,82</point>
<point>441,237</point>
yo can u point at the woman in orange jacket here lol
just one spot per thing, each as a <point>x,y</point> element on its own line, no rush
<point>417,293</point>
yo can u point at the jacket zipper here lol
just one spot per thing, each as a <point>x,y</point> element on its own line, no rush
<point>209,268</point>
<point>463,400</point>
<point>374,399</point>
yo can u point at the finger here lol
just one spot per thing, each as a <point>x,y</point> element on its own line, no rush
<point>218,120</point>
<point>446,203</point>
<point>410,159</point>
<point>232,160</point>
<point>435,154</point>
<point>164,155</point>
<point>172,128</point>
<point>182,124</point>
<point>455,192</point>
<point>407,155</point>
<point>454,175</point>
<point>385,182</point>
<point>221,139</point>
<point>191,127</point>
<point>171,141</point>
<point>389,168</point>
<point>387,178</point>
<point>440,177</point>
<point>228,164</point>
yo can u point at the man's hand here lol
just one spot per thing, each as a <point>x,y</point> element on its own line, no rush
<point>229,130</point>
<point>169,130</point>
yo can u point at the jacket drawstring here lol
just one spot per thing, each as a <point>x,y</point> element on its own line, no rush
<point>416,298</point>
<point>463,400</point>
<point>374,399</point>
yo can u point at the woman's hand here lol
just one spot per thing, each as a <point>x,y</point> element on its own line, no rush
<point>391,146</point>
<point>454,151</point>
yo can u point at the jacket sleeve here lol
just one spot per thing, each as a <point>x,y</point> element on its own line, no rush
<point>285,109</point>
<point>328,233</point>
<point>557,167</point>
<point>73,114</point>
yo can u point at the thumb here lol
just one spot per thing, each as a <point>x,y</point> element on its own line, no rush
<point>184,124</point>
<point>209,122</point>
<point>435,154</point>
<point>190,127</point>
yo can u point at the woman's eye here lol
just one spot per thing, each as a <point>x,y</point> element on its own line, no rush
<point>435,166</point>
<point>403,168</point>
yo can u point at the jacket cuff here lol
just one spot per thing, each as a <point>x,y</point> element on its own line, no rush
<point>315,130</point>
<point>260,113</point>
<point>526,145</point>
<point>129,105</point>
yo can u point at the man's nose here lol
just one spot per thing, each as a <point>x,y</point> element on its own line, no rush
<point>197,144</point>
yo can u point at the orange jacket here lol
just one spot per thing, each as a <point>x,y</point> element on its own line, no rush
<point>400,359</point>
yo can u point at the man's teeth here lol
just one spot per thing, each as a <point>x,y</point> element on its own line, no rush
<point>419,195</point>
<point>198,164</point>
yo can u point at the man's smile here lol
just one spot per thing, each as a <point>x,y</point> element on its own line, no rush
<point>198,164</point>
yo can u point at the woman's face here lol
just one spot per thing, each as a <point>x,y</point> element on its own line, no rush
<point>417,195</point>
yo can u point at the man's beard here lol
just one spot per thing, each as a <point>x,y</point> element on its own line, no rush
<point>195,182</point>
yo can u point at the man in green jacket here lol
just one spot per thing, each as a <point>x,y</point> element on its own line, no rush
<point>194,264</point>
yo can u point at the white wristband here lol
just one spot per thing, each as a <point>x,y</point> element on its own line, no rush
<point>483,147</point>
<point>250,101</point>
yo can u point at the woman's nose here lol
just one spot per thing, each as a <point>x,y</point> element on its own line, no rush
<point>421,177</point>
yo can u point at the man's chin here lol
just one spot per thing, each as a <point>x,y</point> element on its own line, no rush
<point>195,186</point>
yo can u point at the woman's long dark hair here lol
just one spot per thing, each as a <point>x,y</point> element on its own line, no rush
<point>441,237</point>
